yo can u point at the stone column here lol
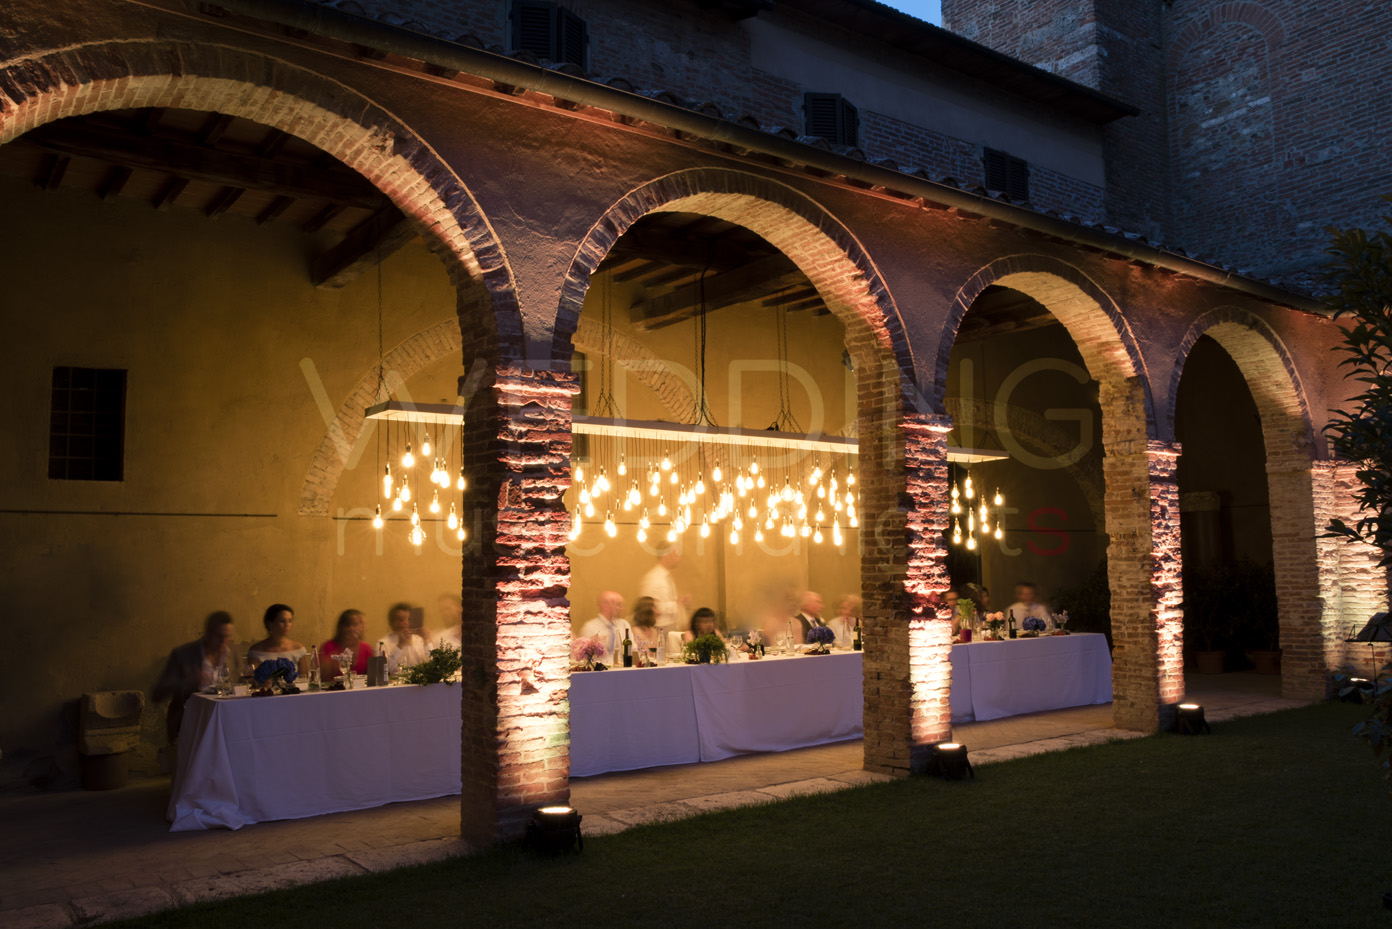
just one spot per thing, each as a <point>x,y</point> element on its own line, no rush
<point>908,669</point>
<point>516,635</point>
<point>1143,558</point>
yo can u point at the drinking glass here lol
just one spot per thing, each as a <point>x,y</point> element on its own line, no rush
<point>345,664</point>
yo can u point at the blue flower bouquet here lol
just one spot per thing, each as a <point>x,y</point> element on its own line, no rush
<point>821,637</point>
<point>1035,624</point>
<point>276,675</point>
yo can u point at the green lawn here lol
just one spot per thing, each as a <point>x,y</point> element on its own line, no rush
<point>1278,820</point>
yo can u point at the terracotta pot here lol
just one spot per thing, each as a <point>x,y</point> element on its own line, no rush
<point>1209,662</point>
<point>1267,662</point>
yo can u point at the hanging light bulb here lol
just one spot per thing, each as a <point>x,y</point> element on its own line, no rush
<point>700,488</point>
<point>579,474</point>
<point>971,543</point>
<point>642,534</point>
<point>967,490</point>
<point>734,536</point>
<point>584,495</point>
<point>653,489</point>
<point>787,492</point>
<point>956,533</point>
<point>983,514</point>
<point>666,461</point>
<point>635,496</point>
<point>377,520</point>
<point>603,481</point>
<point>425,446</point>
<point>396,503</point>
<point>998,533</point>
<point>415,515</point>
<point>461,483</point>
<point>453,520</point>
<point>405,488</point>
<point>435,503</point>
<point>589,510</point>
<point>835,532</point>
<point>662,508</point>
<point>417,536</point>
<point>821,492</point>
<point>623,465</point>
<point>738,523</point>
<point>956,508</point>
<point>609,528</point>
<point>671,535</point>
<point>998,500</point>
<point>955,492</point>
<point>643,522</point>
<point>971,523</point>
<point>855,520</point>
<point>408,460</point>
<point>817,536</point>
<point>820,517</point>
<point>753,511</point>
<point>715,473</point>
<point>705,525</point>
<point>754,465</point>
<point>387,482</point>
<point>758,535</point>
<point>460,534</point>
<point>760,482</point>
<point>850,478</point>
<point>575,526</point>
<point>804,530</point>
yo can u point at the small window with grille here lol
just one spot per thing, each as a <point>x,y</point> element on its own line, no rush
<point>87,425</point>
<point>831,117</point>
<point>1006,173</point>
<point>550,31</point>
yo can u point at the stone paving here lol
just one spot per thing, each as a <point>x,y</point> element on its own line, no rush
<point>76,858</point>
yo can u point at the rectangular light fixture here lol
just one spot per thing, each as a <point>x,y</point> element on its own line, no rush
<point>447,414</point>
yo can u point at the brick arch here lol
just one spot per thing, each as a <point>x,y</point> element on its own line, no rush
<point>1245,13</point>
<point>1270,373</point>
<point>423,349</point>
<point>1092,318</point>
<point>90,78</point>
<point>820,246</point>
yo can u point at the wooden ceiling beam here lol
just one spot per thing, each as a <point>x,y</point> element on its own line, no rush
<point>753,281</point>
<point>192,161</point>
<point>323,217</point>
<point>223,201</point>
<point>273,210</point>
<point>51,174</point>
<point>369,242</point>
<point>114,183</point>
<point>687,251</point>
<point>169,193</point>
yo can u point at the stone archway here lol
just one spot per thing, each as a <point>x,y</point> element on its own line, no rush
<point>1141,499</point>
<point>1315,605</point>
<point>902,450</point>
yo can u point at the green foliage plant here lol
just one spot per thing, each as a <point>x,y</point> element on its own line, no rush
<point>439,668</point>
<point>705,649</point>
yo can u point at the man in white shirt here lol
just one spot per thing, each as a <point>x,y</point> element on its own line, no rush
<point>451,617</point>
<point>1027,604</point>
<point>659,584</point>
<point>609,625</point>
<point>407,645</point>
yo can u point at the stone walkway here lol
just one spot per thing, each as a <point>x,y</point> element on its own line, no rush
<point>81,857</point>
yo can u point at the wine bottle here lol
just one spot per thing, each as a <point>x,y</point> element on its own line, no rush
<point>857,643</point>
<point>628,651</point>
<point>1010,622</point>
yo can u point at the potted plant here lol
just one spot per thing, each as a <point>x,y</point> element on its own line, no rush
<point>705,649</point>
<point>440,668</point>
<point>1255,622</point>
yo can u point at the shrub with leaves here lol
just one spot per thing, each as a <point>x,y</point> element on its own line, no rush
<point>439,668</point>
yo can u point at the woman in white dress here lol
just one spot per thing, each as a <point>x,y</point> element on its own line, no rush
<point>277,643</point>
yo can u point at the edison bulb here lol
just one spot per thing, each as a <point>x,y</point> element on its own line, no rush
<point>396,503</point>
<point>415,515</point>
<point>662,508</point>
<point>453,521</point>
<point>435,503</point>
<point>623,466</point>
<point>408,460</point>
<point>705,528</point>
<point>579,474</point>
<point>998,500</point>
<point>666,462</point>
<point>609,528</point>
<point>377,520</point>
<point>405,490</point>
<point>461,483</point>
<point>754,465</point>
<point>983,512</point>
<point>715,474</point>
<point>971,543</point>
<point>671,535</point>
<point>642,534</point>
<point>753,511</point>
<point>850,478</point>
<point>955,509</point>
<point>584,495</point>
<point>998,533</point>
<point>574,526</point>
<point>855,521</point>
<point>758,535</point>
<point>425,446</point>
<point>817,536</point>
<point>967,490</point>
<point>734,536</point>
<point>700,488</point>
<point>417,536</point>
<point>643,521</point>
<point>460,534</point>
<point>760,482</point>
<point>387,482</point>
<point>589,510</point>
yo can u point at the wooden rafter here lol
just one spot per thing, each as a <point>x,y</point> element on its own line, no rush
<point>367,243</point>
<point>753,281</point>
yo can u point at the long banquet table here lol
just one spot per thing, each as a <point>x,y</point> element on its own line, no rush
<point>244,760</point>
<point>991,680</point>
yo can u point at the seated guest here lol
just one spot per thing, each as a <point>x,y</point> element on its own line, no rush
<point>348,637</point>
<point>980,598</point>
<point>407,645</point>
<point>451,617</point>
<point>1027,603</point>
<point>848,613</point>
<point>702,623</point>
<point>960,610</point>
<point>809,613</point>
<point>277,643</point>
<point>194,667</point>
<point>644,629</point>
<point>609,625</point>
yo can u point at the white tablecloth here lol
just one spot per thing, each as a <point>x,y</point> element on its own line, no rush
<point>991,680</point>
<point>625,719</point>
<point>249,759</point>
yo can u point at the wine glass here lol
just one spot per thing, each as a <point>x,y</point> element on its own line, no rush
<point>344,657</point>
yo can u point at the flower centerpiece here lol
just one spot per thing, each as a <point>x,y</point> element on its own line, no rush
<point>1034,626</point>
<point>584,654</point>
<point>705,649</point>
<point>996,622</point>
<point>755,644</point>
<point>820,638</point>
<point>1060,622</point>
<point>276,676</point>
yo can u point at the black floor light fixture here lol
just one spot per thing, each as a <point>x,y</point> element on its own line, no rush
<point>555,829</point>
<point>1378,629</point>
<point>1189,720</point>
<point>949,761</point>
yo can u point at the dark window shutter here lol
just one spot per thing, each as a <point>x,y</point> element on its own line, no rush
<point>572,38</point>
<point>87,424</point>
<point>534,27</point>
<point>830,117</point>
<point>1006,173</point>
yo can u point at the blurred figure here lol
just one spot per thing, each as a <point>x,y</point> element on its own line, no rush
<point>644,629</point>
<point>452,619</point>
<point>348,637</point>
<point>809,613</point>
<point>609,625</point>
<point>848,614</point>
<point>660,585</point>
<point>979,596</point>
<point>407,645</point>
<point>703,622</point>
<point>193,667</point>
<point>1027,603</point>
